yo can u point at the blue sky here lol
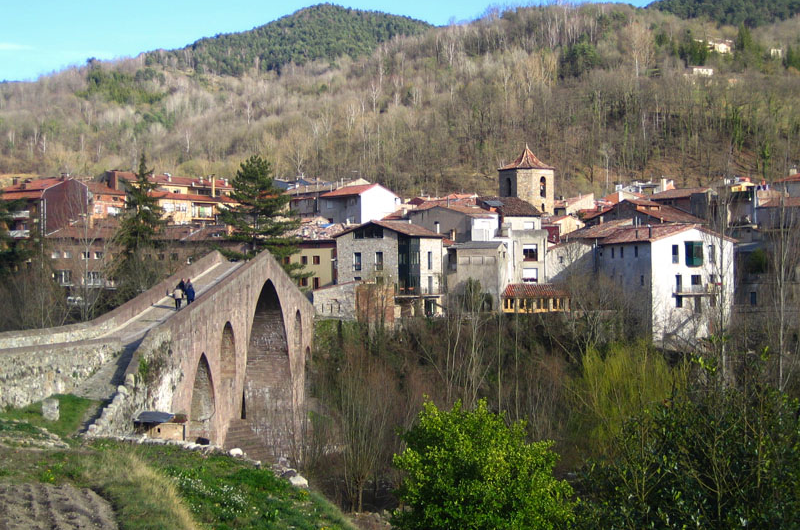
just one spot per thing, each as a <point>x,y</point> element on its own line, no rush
<point>42,36</point>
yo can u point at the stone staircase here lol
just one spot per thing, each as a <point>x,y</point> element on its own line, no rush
<point>242,436</point>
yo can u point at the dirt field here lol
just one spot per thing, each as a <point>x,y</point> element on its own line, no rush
<point>44,506</point>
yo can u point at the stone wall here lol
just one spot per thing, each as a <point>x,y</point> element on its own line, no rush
<point>112,319</point>
<point>33,373</point>
<point>336,301</point>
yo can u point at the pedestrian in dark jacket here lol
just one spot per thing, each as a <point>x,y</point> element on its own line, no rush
<point>177,294</point>
<point>189,292</point>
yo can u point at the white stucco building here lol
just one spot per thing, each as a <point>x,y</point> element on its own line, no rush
<point>358,204</point>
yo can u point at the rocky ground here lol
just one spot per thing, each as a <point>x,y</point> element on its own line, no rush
<point>45,506</point>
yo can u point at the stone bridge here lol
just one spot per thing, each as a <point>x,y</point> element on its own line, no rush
<point>233,362</point>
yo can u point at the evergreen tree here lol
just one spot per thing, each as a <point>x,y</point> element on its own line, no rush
<point>262,217</point>
<point>142,220</point>
<point>135,270</point>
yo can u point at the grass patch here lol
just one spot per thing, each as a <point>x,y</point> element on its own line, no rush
<point>72,410</point>
<point>166,487</point>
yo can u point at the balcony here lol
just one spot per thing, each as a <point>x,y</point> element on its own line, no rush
<point>695,290</point>
<point>21,214</point>
<point>19,234</point>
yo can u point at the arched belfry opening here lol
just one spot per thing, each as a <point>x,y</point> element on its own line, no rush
<point>203,404</point>
<point>509,191</point>
<point>266,406</point>
<point>543,187</point>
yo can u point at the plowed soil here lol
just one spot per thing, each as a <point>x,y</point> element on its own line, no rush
<point>45,506</point>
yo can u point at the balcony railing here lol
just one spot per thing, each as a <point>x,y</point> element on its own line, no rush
<point>21,214</point>
<point>19,234</point>
<point>688,290</point>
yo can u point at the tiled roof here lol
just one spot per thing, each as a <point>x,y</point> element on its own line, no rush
<point>511,206</point>
<point>477,245</point>
<point>472,211</point>
<point>402,227</point>
<point>599,231</point>
<point>619,196</point>
<point>158,194</point>
<point>668,214</point>
<point>102,187</point>
<point>29,190</point>
<point>167,180</point>
<point>534,290</point>
<point>679,193</point>
<point>655,232</point>
<point>527,160</point>
<point>349,191</point>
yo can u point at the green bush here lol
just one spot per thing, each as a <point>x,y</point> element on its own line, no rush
<point>468,469</point>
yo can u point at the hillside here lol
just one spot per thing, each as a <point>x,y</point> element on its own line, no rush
<point>324,31</point>
<point>588,87</point>
<point>752,13</point>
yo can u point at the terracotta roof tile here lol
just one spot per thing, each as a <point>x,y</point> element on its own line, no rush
<point>102,187</point>
<point>511,206</point>
<point>534,290</point>
<point>527,160</point>
<point>183,196</point>
<point>402,227</point>
<point>167,180</point>
<point>791,202</point>
<point>679,193</point>
<point>349,191</point>
<point>790,178</point>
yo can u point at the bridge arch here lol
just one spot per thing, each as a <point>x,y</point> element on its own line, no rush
<point>203,403</point>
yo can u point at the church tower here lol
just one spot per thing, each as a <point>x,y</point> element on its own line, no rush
<point>530,179</point>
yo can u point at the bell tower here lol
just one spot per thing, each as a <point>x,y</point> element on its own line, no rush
<point>529,179</point>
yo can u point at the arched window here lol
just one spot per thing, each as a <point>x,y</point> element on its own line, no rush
<point>509,191</point>
<point>543,187</point>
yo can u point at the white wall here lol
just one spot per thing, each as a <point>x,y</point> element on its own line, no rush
<point>376,203</point>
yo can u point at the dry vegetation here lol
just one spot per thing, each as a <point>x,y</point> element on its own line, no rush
<point>585,85</point>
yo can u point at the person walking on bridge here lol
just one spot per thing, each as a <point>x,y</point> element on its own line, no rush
<point>177,294</point>
<point>189,291</point>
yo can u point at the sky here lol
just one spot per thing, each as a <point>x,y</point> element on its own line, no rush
<point>38,37</point>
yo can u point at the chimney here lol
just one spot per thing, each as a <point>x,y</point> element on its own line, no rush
<point>437,226</point>
<point>201,179</point>
<point>15,181</point>
<point>793,170</point>
<point>213,185</point>
<point>649,232</point>
<point>64,176</point>
<point>226,182</point>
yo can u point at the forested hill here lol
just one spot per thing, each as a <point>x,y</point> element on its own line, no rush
<point>323,31</point>
<point>751,13</point>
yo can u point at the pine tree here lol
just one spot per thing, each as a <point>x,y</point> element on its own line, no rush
<point>135,269</point>
<point>262,217</point>
<point>142,220</point>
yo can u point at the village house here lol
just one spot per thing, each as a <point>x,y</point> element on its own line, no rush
<point>184,208</point>
<point>105,201</point>
<point>395,253</point>
<point>45,205</point>
<point>678,276</point>
<point>459,223</point>
<point>482,261</point>
<point>211,186</point>
<point>317,253</point>
<point>541,298</point>
<point>358,204</point>
<point>642,212</point>
<point>305,196</point>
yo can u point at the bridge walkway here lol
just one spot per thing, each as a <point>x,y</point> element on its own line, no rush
<point>104,382</point>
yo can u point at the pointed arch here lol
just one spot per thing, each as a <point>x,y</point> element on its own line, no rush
<point>203,402</point>
<point>543,187</point>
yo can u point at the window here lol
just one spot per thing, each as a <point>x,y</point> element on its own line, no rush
<point>712,257</point>
<point>612,252</point>
<point>67,254</point>
<point>316,283</point>
<point>696,279</point>
<point>694,253</point>
<point>415,258</point>
<point>678,283</point>
<point>85,255</point>
<point>94,278</point>
<point>430,284</point>
<point>303,282</point>
<point>636,251</point>
<point>55,254</point>
<point>674,253</point>
<point>304,260</point>
<point>641,279</point>
<point>315,260</point>
<point>98,255</point>
<point>430,260</point>
<point>530,275</point>
<point>453,234</point>
<point>369,232</point>
<point>753,298</point>
<point>530,252</point>
<point>698,304</point>
<point>63,277</point>
<point>621,252</point>
<point>678,301</point>
<point>357,278</point>
<point>543,188</point>
<point>357,261</point>
<point>286,260</point>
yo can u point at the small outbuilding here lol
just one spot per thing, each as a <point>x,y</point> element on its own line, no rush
<point>163,425</point>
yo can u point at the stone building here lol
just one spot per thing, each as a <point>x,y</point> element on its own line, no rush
<point>529,179</point>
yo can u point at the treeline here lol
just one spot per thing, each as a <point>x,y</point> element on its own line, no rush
<point>322,32</point>
<point>595,90</point>
<point>732,12</point>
